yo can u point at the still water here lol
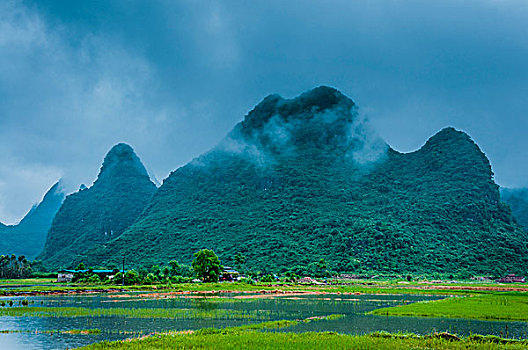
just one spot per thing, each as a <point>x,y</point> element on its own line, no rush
<point>26,332</point>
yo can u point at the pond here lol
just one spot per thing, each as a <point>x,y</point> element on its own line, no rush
<point>124,315</point>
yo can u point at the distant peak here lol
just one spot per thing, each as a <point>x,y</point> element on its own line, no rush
<point>56,190</point>
<point>316,100</point>
<point>449,130</point>
<point>58,187</point>
<point>121,158</point>
<point>302,107</point>
<point>118,153</point>
<point>322,97</point>
<point>320,119</point>
<point>450,134</point>
<point>120,149</point>
<point>454,149</point>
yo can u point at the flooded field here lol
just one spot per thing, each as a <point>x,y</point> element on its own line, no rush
<point>67,321</point>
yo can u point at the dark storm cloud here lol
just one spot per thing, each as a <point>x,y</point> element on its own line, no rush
<point>172,77</point>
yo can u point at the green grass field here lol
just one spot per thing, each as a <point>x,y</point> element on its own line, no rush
<point>251,339</point>
<point>498,306</point>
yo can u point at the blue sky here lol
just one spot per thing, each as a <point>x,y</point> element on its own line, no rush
<point>171,78</point>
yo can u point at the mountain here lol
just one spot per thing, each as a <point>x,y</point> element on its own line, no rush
<point>27,237</point>
<point>99,213</point>
<point>517,199</point>
<point>304,179</point>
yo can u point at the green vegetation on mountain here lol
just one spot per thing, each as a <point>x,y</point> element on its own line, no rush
<point>306,179</point>
<point>100,213</point>
<point>517,199</point>
<point>27,237</point>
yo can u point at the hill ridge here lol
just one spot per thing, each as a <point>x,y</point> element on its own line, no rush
<point>28,236</point>
<point>101,212</point>
<point>435,210</point>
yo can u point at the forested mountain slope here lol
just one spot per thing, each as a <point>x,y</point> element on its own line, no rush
<point>517,199</point>
<point>303,179</point>
<point>28,236</point>
<point>100,213</point>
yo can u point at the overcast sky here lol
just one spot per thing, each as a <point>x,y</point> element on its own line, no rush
<point>171,78</point>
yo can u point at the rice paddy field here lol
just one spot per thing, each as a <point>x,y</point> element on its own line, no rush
<point>221,316</point>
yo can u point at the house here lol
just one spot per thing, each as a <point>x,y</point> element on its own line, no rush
<point>229,274</point>
<point>308,280</point>
<point>67,275</point>
<point>511,278</point>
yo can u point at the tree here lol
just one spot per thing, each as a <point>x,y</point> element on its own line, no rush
<point>155,269</point>
<point>143,272</point>
<point>267,278</point>
<point>3,265</point>
<point>118,278</point>
<point>239,260</point>
<point>13,267</point>
<point>174,268</point>
<point>207,265</point>
<point>131,277</point>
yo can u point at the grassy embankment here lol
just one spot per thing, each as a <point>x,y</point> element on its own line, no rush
<point>498,306</point>
<point>249,338</point>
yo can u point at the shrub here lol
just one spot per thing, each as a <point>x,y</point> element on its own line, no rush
<point>131,277</point>
<point>247,281</point>
<point>267,278</point>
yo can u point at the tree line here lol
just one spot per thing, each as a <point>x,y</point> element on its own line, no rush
<point>12,266</point>
<point>205,266</point>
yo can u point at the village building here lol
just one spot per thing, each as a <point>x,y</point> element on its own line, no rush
<point>511,278</point>
<point>308,280</point>
<point>68,275</point>
<point>229,274</point>
<point>65,275</point>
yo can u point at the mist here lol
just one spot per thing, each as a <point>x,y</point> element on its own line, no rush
<point>173,78</point>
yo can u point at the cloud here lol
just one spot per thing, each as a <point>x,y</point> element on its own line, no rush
<point>340,127</point>
<point>65,105</point>
<point>370,146</point>
<point>171,78</point>
<point>17,197</point>
<point>222,46</point>
<point>237,145</point>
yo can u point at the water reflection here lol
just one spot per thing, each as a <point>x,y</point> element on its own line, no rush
<point>273,307</point>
